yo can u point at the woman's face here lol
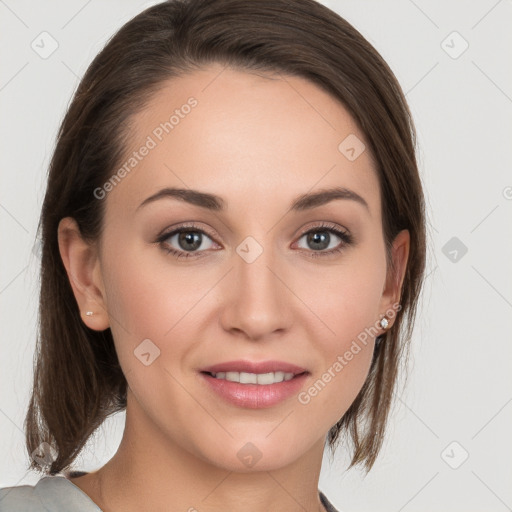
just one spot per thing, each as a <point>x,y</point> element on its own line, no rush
<point>246,282</point>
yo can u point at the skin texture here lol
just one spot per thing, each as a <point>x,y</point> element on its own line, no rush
<point>258,142</point>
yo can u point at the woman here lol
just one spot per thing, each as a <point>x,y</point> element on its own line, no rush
<point>233,251</point>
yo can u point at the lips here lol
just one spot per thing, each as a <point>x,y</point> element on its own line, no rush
<point>253,396</point>
<point>249,394</point>
<point>254,367</point>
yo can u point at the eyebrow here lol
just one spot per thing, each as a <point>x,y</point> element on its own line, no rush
<point>215,203</point>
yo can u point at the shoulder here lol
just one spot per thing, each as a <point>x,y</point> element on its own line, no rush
<point>21,497</point>
<point>326,503</point>
<point>55,493</point>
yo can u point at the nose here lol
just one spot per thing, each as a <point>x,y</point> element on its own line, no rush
<point>257,298</point>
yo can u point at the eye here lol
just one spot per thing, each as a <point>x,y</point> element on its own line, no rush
<point>191,241</point>
<point>185,241</point>
<point>325,236</point>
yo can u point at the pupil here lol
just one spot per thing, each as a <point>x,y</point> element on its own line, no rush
<point>189,237</point>
<point>321,237</point>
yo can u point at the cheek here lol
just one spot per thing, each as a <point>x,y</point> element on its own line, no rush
<point>149,299</point>
<point>149,314</point>
<point>346,297</point>
<point>143,295</point>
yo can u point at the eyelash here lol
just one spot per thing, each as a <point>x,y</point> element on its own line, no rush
<point>346,240</point>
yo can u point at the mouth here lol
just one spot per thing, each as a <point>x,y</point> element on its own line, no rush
<point>254,372</point>
<point>254,385</point>
<point>263,379</point>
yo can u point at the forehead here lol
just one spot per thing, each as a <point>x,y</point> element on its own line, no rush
<point>236,134</point>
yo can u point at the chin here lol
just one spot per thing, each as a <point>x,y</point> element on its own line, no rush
<point>258,453</point>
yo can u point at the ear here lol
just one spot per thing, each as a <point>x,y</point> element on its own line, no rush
<point>82,265</point>
<point>395,275</point>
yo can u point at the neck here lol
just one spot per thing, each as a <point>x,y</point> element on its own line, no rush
<point>152,472</point>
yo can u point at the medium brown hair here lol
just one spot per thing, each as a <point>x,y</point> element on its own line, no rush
<point>78,381</point>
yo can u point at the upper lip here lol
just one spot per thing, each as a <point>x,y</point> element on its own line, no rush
<point>254,367</point>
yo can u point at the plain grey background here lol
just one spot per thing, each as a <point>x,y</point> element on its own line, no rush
<point>449,443</point>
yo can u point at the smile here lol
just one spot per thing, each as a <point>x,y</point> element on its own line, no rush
<point>254,378</point>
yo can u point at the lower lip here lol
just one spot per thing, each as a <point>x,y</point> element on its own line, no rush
<point>255,396</point>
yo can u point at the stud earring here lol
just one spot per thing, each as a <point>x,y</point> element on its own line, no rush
<point>89,313</point>
<point>384,323</point>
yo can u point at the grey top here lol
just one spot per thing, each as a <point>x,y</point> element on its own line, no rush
<point>58,494</point>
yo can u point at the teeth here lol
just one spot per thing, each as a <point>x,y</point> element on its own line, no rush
<point>254,378</point>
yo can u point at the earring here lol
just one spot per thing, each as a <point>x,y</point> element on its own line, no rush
<point>89,313</point>
<point>384,323</point>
